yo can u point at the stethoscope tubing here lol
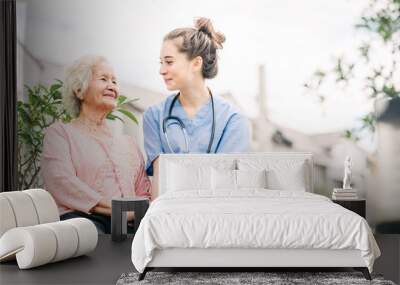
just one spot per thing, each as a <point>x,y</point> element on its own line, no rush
<point>182,125</point>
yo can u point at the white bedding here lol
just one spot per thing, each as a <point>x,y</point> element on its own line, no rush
<point>250,218</point>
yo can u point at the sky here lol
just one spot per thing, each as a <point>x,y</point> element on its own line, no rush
<point>291,38</point>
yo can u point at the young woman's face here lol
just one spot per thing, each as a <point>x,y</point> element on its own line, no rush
<point>175,68</point>
<point>102,90</point>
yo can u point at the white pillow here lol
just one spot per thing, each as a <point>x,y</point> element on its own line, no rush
<point>223,179</point>
<point>289,179</point>
<point>183,177</point>
<point>251,178</point>
<point>282,174</point>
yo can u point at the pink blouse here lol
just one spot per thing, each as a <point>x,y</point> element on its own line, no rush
<point>79,169</point>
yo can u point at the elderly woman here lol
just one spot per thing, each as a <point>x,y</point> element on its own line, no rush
<point>84,163</point>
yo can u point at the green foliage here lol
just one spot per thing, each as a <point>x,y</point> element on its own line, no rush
<point>382,18</point>
<point>121,101</point>
<point>368,123</point>
<point>381,22</point>
<point>42,108</point>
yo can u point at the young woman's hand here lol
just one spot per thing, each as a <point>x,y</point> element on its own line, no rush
<point>154,182</point>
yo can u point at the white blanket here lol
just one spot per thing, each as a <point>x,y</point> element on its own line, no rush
<point>250,219</point>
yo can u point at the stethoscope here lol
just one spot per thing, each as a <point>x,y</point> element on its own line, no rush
<point>182,125</point>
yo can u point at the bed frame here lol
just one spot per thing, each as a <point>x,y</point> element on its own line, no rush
<point>246,259</point>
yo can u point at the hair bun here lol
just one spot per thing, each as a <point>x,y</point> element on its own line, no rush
<point>204,25</point>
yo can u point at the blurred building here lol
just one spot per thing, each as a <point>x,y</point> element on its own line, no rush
<point>329,149</point>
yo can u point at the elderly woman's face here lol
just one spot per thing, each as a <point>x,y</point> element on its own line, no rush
<point>102,90</point>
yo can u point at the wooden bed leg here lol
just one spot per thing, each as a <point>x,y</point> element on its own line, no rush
<point>143,274</point>
<point>364,271</point>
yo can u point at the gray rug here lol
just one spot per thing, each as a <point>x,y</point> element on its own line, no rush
<point>269,278</point>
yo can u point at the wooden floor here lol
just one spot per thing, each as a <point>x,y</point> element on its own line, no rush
<point>389,262</point>
<point>106,264</point>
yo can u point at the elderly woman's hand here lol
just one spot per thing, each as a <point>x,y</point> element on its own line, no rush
<point>104,208</point>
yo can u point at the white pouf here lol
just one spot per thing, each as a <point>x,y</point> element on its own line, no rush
<point>40,244</point>
<point>31,231</point>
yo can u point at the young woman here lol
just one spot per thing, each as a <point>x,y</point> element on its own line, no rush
<point>192,120</point>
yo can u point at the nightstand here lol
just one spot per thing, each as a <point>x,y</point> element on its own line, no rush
<point>358,206</point>
<point>119,207</point>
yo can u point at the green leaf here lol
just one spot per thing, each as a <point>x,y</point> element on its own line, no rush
<point>121,99</point>
<point>55,87</point>
<point>390,91</point>
<point>113,117</point>
<point>57,95</point>
<point>26,138</point>
<point>347,134</point>
<point>24,115</point>
<point>126,101</point>
<point>351,135</point>
<point>129,114</point>
<point>33,99</point>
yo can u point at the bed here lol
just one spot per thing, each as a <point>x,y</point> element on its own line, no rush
<point>247,210</point>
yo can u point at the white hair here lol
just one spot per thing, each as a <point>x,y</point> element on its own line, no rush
<point>77,78</point>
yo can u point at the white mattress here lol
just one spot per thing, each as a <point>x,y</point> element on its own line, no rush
<point>251,218</point>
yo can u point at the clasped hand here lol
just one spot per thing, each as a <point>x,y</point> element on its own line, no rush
<point>104,208</point>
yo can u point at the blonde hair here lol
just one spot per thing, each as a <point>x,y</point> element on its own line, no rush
<point>202,40</point>
<point>77,78</point>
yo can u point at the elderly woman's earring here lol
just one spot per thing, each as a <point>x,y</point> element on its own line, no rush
<point>78,95</point>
